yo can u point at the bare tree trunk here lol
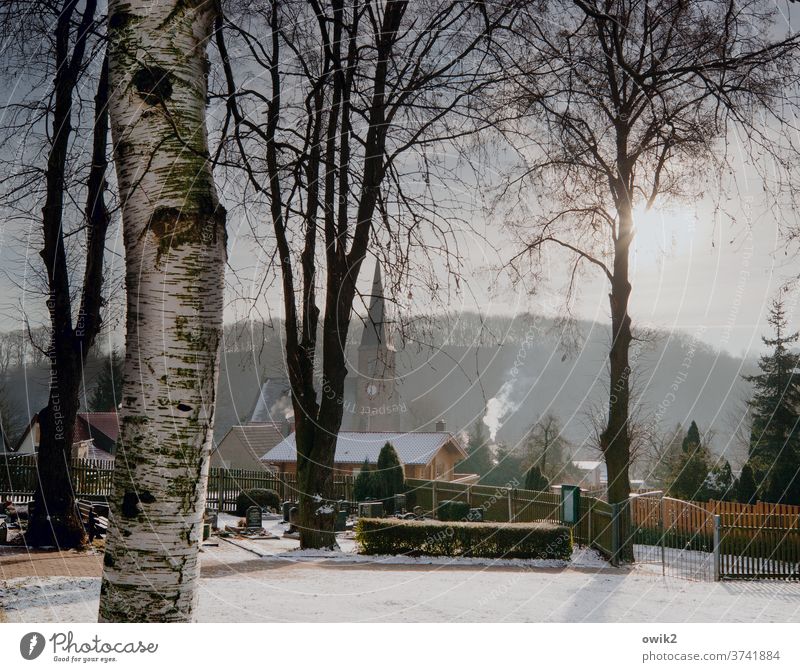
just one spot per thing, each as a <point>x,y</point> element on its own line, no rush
<point>615,440</point>
<point>54,519</point>
<point>315,449</point>
<point>174,230</point>
<point>334,68</point>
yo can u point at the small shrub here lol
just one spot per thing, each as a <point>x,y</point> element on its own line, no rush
<point>367,483</point>
<point>257,497</point>
<point>386,536</point>
<point>452,510</point>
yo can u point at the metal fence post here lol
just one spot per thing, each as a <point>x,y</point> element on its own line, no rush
<point>510,507</point>
<point>716,548</point>
<point>433,497</point>
<point>661,517</point>
<point>615,545</point>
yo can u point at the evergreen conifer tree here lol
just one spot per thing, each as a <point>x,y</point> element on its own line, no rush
<point>774,444</point>
<point>389,477</point>
<point>535,480</point>
<point>719,485</point>
<point>479,460</point>
<point>507,469</point>
<point>365,485</point>
<point>746,486</point>
<point>692,467</point>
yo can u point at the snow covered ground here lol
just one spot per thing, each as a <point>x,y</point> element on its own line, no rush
<point>238,586</point>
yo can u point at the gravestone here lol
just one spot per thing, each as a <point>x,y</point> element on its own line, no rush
<point>294,517</point>
<point>253,518</point>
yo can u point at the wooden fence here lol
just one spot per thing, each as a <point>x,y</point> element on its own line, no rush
<point>750,540</point>
<point>226,484</point>
<point>499,504</point>
<point>675,523</point>
<point>594,528</point>
<point>92,480</point>
<point>697,517</point>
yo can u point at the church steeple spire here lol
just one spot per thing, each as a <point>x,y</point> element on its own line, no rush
<point>374,330</point>
<point>376,399</point>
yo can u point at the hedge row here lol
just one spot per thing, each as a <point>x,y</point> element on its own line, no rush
<point>259,497</point>
<point>390,536</point>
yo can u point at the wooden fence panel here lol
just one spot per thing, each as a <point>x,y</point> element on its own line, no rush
<point>92,479</point>
<point>531,507</point>
<point>601,525</point>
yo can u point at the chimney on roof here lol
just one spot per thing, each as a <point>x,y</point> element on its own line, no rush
<point>441,426</point>
<point>288,426</point>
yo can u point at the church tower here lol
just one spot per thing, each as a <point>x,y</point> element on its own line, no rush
<point>376,405</point>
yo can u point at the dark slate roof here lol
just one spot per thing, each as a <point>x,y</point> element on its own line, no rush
<point>355,447</point>
<point>105,423</point>
<point>258,437</point>
<point>275,395</point>
<point>374,332</point>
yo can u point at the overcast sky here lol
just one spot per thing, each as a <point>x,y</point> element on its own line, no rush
<point>693,270</point>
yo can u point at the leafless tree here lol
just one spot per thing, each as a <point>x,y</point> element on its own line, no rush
<point>56,66</point>
<point>547,448</point>
<point>630,102</point>
<point>358,100</point>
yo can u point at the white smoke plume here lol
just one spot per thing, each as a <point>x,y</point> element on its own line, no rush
<point>282,407</point>
<point>498,407</point>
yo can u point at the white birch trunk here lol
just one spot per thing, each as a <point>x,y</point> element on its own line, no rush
<point>174,231</point>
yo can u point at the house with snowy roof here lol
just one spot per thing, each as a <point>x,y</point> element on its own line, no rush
<point>429,455</point>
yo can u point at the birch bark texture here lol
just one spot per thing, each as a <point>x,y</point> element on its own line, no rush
<point>175,246</point>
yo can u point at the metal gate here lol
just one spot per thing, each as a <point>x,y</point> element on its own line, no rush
<point>672,536</point>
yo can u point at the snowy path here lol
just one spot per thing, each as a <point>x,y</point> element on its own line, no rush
<point>242,587</point>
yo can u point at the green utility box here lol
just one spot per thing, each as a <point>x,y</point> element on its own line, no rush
<point>570,504</point>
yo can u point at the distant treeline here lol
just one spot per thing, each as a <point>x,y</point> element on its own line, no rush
<point>465,329</point>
